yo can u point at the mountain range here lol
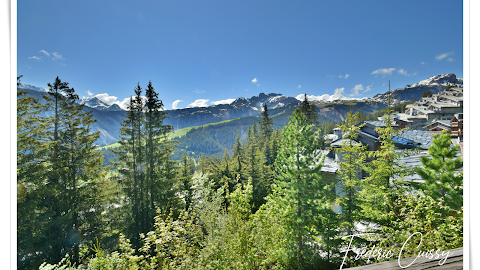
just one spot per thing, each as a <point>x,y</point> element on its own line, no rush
<point>109,117</point>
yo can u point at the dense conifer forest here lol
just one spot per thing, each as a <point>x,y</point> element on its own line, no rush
<point>208,201</point>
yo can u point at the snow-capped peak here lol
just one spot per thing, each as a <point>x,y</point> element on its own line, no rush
<point>442,79</point>
<point>31,87</point>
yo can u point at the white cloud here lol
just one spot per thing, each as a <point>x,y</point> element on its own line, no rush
<point>198,91</point>
<point>105,98</point>
<point>123,104</point>
<point>383,72</point>
<point>36,58</point>
<point>337,95</point>
<point>89,93</point>
<point>254,80</point>
<point>356,90</point>
<point>44,52</point>
<point>423,63</point>
<point>225,101</point>
<point>299,86</point>
<point>57,56</point>
<point>339,91</point>
<point>199,103</point>
<point>28,66</point>
<point>347,75</point>
<point>451,60</point>
<point>404,72</point>
<point>175,104</point>
<point>109,100</point>
<point>369,88</point>
<point>443,56</point>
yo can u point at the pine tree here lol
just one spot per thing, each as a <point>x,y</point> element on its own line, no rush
<point>238,154</point>
<point>442,181</point>
<point>156,135</point>
<point>32,155</point>
<point>186,169</point>
<point>353,161</point>
<point>79,161</point>
<point>299,179</point>
<point>266,130</point>
<point>144,156</point>
<point>61,149</point>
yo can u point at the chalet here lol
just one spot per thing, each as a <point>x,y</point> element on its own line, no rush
<point>439,125</point>
<point>457,126</point>
<point>443,105</point>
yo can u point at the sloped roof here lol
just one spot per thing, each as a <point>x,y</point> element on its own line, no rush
<point>419,136</point>
<point>329,164</point>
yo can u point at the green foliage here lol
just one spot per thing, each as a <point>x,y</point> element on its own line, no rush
<point>147,172</point>
<point>353,157</point>
<point>304,191</point>
<point>58,170</point>
<point>427,94</point>
<point>422,218</point>
<point>442,181</point>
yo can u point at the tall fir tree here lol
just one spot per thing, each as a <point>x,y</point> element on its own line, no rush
<point>299,180</point>
<point>144,156</point>
<point>65,169</point>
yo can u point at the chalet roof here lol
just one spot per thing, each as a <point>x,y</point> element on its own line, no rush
<point>329,164</point>
<point>404,142</point>
<point>445,123</point>
<point>419,136</point>
<point>332,137</point>
<point>339,142</point>
<point>413,161</point>
<point>376,124</point>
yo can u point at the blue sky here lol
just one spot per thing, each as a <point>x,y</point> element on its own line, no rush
<point>199,53</point>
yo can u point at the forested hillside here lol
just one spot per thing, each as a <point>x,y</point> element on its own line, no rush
<point>264,203</point>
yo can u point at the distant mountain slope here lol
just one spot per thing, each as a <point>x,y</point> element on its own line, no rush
<point>241,107</point>
<point>110,117</point>
<point>433,84</point>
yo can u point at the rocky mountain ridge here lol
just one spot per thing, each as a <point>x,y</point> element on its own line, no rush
<point>110,117</point>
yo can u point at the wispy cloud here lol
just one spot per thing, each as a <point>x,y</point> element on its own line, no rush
<point>255,80</point>
<point>383,72</point>
<point>225,101</point>
<point>44,52</point>
<point>199,103</point>
<point>404,72</point>
<point>57,56</point>
<point>368,89</point>
<point>36,58</point>
<point>175,104</point>
<point>423,63</point>
<point>299,86</point>
<point>356,90</point>
<point>342,76</point>
<point>451,60</point>
<point>89,93</point>
<point>443,56</point>
<point>28,66</point>
<point>198,91</point>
